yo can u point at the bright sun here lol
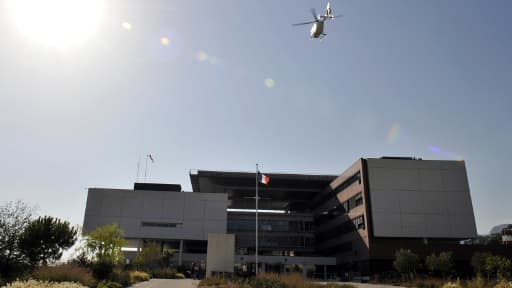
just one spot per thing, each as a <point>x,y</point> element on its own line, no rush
<point>59,24</point>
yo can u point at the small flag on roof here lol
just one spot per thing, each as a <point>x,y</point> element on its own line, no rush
<point>263,178</point>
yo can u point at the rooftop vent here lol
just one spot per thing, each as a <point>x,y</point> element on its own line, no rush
<point>400,158</point>
<point>157,187</point>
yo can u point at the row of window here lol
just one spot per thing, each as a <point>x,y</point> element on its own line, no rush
<point>346,227</point>
<point>236,225</point>
<point>161,224</point>
<point>342,208</point>
<point>352,179</point>
<point>340,248</point>
<point>275,241</point>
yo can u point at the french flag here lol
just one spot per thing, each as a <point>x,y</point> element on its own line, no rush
<point>263,178</point>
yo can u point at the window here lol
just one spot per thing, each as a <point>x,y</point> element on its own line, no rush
<point>161,224</point>
<point>359,222</point>
<point>359,199</point>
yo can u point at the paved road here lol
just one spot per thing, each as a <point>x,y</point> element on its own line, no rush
<point>168,283</point>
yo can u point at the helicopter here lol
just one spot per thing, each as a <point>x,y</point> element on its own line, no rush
<point>317,30</point>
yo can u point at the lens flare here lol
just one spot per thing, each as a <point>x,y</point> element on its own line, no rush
<point>127,26</point>
<point>444,153</point>
<point>393,133</point>
<point>202,56</point>
<point>164,41</point>
<point>56,23</point>
<point>270,83</point>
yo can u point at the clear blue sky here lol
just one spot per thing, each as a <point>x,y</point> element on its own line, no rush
<point>431,79</point>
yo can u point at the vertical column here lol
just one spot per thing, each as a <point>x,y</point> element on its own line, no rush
<point>325,272</point>
<point>180,255</point>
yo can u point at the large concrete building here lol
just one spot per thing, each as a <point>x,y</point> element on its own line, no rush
<point>322,225</point>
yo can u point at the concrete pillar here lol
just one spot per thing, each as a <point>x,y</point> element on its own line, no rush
<point>180,255</point>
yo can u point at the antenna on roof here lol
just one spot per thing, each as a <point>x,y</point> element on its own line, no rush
<point>150,157</point>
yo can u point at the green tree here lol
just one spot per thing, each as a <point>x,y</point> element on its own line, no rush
<point>406,262</point>
<point>442,263</point>
<point>104,244</point>
<point>14,217</point>
<point>44,239</point>
<point>150,257</point>
<point>103,249</point>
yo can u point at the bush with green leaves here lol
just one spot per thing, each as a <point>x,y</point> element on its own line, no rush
<point>440,264</point>
<point>406,262</point>
<point>64,273</point>
<point>498,266</point>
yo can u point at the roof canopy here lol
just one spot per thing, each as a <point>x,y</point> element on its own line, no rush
<point>284,192</point>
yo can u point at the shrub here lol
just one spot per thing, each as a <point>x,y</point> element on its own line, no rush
<point>477,282</point>
<point>164,273</point>
<point>268,280</point>
<point>64,273</point>
<point>109,284</point>
<point>499,266</point>
<point>138,276</point>
<point>120,276</point>
<point>503,284</point>
<point>294,280</point>
<point>43,284</point>
<point>452,285</point>
<point>102,270</point>
<point>212,281</point>
<point>427,283</point>
<point>406,262</point>
<point>442,263</point>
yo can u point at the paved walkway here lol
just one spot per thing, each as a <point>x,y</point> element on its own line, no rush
<point>188,283</point>
<point>365,285</point>
<point>167,283</point>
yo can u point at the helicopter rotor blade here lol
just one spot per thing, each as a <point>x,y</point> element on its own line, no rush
<point>336,16</point>
<point>304,23</point>
<point>313,12</point>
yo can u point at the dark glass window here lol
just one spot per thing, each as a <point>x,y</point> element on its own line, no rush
<point>161,224</point>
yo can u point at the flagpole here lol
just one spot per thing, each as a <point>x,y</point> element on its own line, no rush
<point>256,254</point>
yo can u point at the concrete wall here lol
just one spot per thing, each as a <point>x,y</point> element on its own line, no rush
<point>196,214</point>
<point>420,199</point>
<point>221,253</point>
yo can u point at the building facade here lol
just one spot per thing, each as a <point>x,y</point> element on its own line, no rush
<point>323,225</point>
